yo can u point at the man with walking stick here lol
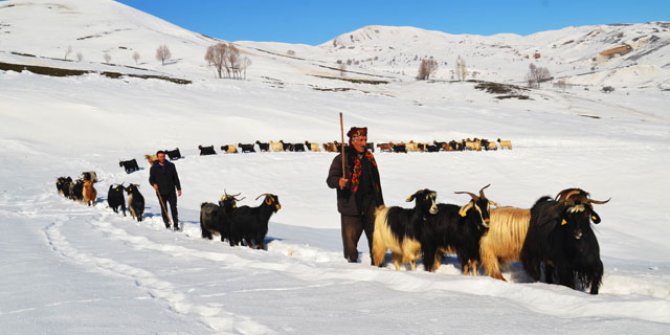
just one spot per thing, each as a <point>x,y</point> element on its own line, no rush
<point>164,179</point>
<point>354,174</point>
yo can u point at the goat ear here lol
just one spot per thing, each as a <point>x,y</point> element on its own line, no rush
<point>411,198</point>
<point>595,217</point>
<point>464,210</point>
<point>268,201</point>
<point>493,203</point>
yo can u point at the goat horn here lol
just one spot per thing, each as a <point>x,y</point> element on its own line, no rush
<point>599,202</point>
<point>566,194</point>
<point>481,192</point>
<point>266,194</point>
<point>474,196</point>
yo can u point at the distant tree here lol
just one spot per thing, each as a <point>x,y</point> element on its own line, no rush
<point>223,56</point>
<point>80,57</point>
<point>244,64</point>
<point>136,57</point>
<point>427,67</point>
<point>107,57</point>
<point>163,53</point>
<point>461,69</point>
<point>343,69</point>
<point>68,52</point>
<point>536,75</point>
<point>216,57</point>
<point>233,61</point>
<point>290,53</point>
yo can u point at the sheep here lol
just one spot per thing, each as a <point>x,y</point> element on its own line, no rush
<point>229,148</point>
<point>313,147</point>
<point>505,144</point>
<point>276,146</point>
<point>204,151</point>
<point>151,158</point>
<point>263,147</point>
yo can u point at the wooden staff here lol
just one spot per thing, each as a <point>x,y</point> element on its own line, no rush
<point>163,206</point>
<point>343,158</point>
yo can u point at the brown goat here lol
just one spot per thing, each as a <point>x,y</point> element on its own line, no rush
<point>89,192</point>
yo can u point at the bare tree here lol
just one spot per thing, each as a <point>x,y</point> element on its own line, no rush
<point>233,61</point>
<point>536,75</point>
<point>163,53</point>
<point>216,57</point>
<point>223,56</point>
<point>80,57</point>
<point>461,69</point>
<point>245,63</point>
<point>427,67</point>
<point>68,52</point>
<point>107,57</point>
<point>136,57</point>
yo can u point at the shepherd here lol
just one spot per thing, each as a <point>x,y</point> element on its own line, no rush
<point>355,176</point>
<point>165,180</point>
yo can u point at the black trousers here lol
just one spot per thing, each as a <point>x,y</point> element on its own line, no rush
<point>171,200</point>
<point>354,226</point>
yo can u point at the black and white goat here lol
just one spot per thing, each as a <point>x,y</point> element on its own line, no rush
<point>399,229</point>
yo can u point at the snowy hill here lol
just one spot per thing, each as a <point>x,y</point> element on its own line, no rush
<point>72,269</point>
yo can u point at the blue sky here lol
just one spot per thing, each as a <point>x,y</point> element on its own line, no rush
<point>315,22</point>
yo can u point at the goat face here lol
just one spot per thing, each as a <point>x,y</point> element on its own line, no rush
<point>577,220</point>
<point>132,189</point>
<point>480,204</point>
<point>272,201</point>
<point>425,201</point>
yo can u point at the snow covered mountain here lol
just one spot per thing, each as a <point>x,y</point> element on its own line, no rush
<point>72,269</point>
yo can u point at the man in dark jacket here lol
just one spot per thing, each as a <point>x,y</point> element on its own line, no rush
<point>359,192</point>
<point>164,179</point>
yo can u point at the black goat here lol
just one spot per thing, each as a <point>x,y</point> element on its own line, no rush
<point>173,154</point>
<point>370,146</point>
<point>250,224</point>
<point>264,147</point>
<point>458,229</point>
<point>63,186</point>
<point>115,198</point>
<point>204,151</point>
<point>77,190</point>
<point>560,238</point>
<point>135,202</point>
<point>215,218</point>
<point>129,165</point>
<point>245,148</point>
<point>399,229</point>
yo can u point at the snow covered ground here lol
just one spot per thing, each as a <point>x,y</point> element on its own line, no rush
<point>72,269</point>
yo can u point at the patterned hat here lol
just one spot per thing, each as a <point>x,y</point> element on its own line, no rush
<point>355,131</point>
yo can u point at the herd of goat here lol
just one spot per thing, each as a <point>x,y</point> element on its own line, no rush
<point>553,239</point>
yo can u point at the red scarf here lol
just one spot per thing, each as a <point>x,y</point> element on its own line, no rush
<point>355,176</point>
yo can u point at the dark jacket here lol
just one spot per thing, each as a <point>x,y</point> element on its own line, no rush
<point>347,201</point>
<point>165,176</point>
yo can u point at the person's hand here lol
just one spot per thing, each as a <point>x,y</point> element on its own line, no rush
<point>156,187</point>
<point>343,183</point>
<point>179,193</point>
